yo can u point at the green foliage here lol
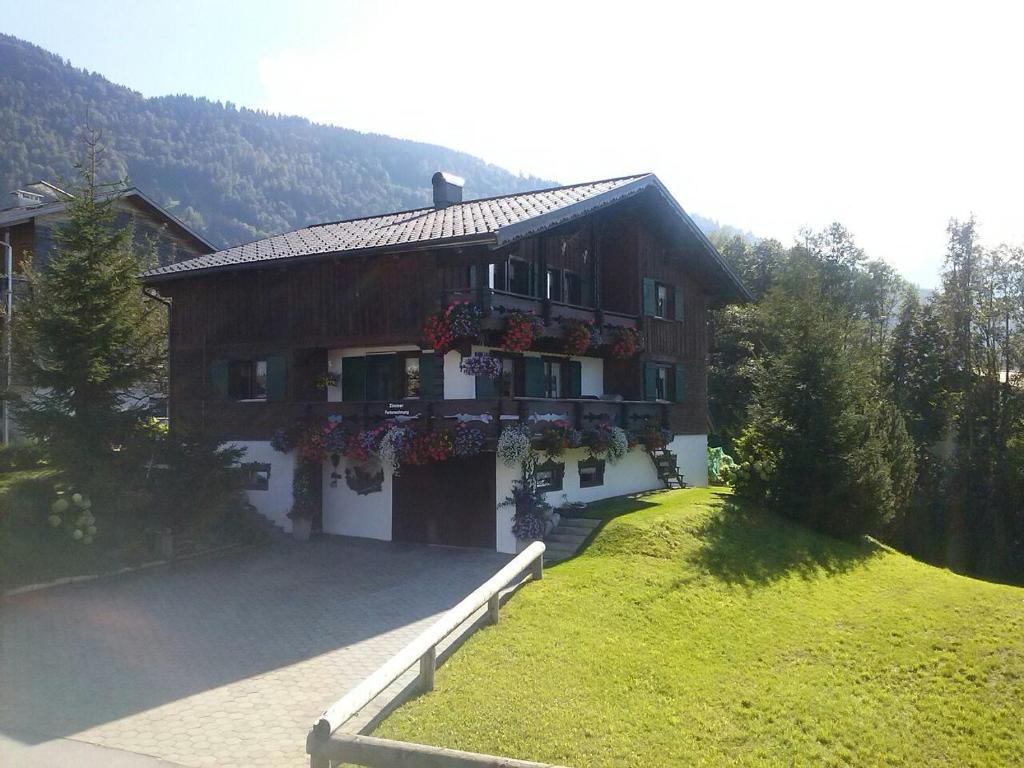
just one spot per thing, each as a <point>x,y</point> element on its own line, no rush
<point>240,174</point>
<point>820,446</point>
<point>195,484</point>
<point>697,631</point>
<point>88,343</point>
<point>19,456</point>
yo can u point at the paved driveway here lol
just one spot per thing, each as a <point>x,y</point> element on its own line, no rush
<point>222,662</point>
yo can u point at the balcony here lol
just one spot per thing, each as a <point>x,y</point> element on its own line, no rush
<point>259,420</point>
<point>497,304</point>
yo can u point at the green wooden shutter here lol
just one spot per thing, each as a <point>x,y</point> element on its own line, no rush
<point>679,304</point>
<point>533,377</point>
<point>650,381</point>
<point>277,377</point>
<point>534,289</point>
<point>353,378</point>
<point>486,387</point>
<point>575,378</point>
<point>650,296</point>
<point>219,378</point>
<point>432,376</point>
<point>680,383</point>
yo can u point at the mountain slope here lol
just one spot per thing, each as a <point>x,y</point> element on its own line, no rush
<point>234,174</point>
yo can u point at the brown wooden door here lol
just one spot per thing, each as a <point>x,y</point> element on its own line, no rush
<point>449,502</point>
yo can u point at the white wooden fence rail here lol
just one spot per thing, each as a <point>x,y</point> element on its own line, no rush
<point>422,650</point>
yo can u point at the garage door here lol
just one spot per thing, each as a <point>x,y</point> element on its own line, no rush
<point>449,502</point>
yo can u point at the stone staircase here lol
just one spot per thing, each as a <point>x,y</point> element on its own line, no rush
<point>667,466</point>
<point>567,537</point>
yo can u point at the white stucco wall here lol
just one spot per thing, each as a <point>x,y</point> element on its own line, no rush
<point>457,385</point>
<point>275,502</point>
<point>692,458</point>
<point>349,514</point>
<point>634,474</point>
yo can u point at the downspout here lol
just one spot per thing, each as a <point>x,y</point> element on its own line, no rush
<point>149,293</point>
<point>8,309</point>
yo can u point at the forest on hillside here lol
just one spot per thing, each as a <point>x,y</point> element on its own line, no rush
<point>234,174</point>
<point>854,406</point>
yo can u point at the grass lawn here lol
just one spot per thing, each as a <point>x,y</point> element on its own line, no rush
<point>693,631</point>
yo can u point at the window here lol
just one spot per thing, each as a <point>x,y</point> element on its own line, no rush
<point>388,377</point>
<point>496,276</point>
<point>661,308</point>
<point>508,383</point>
<point>573,288</point>
<point>552,378</point>
<point>661,382</point>
<point>380,377</point>
<point>247,379</point>
<point>519,274</point>
<point>549,476</point>
<point>554,285</point>
<point>257,476</point>
<point>412,377</point>
<point>591,473</point>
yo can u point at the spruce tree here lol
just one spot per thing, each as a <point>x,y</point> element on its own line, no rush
<point>88,343</point>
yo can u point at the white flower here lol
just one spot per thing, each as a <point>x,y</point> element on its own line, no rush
<point>76,534</point>
<point>514,445</point>
<point>60,505</point>
<point>618,445</point>
<point>53,520</point>
<point>91,530</point>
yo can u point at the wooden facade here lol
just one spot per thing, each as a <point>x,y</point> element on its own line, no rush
<point>301,310</point>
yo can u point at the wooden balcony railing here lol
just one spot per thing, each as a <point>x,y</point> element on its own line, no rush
<point>499,303</point>
<point>259,420</point>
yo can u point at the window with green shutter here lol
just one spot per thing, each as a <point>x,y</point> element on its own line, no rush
<point>680,383</point>
<point>353,379</point>
<point>575,378</point>
<point>650,296</point>
<point>533,377</point>
<point>650,381</point>
<point>432,376</point>
<point>277,377</point>
<point>679,304</point>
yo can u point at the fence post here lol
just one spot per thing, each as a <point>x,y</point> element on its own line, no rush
<point>538,567</point>
<point>493,604</point>
<point>428,664</point>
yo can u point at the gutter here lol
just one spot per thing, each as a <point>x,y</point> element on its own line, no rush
<point>8,308</point>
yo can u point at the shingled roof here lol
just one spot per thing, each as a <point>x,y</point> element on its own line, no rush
<point>494,221</point>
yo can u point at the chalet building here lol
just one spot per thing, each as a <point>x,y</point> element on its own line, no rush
<point>330,325</point>
<point>27,224</point>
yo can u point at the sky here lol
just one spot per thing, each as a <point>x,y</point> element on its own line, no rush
<point>889,117</point>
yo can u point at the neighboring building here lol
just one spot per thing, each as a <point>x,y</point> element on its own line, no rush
<point>255,328</point>
<point>28,224</point>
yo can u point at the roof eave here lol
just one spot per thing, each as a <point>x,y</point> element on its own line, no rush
<point>287,261</point>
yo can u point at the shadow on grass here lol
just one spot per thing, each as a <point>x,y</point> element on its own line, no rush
<point>606,510</point>
<point>748,547</point>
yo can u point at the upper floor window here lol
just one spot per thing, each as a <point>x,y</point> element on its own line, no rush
<point>662,300</point>
<point>513,275</point>
<point>393,376</point>
<point>247,379</point>
<point>564,286</point>
<point>663,381</point>
<point>257,378</point>
<point>553,378</point>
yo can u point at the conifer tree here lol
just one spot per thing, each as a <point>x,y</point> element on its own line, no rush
<point>88,343</point>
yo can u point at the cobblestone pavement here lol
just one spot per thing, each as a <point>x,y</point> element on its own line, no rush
<point>222,662</point>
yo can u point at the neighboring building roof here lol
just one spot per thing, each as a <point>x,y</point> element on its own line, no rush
<point>494,221</point>
<point>56,203</point>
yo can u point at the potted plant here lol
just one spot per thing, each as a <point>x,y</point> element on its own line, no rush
<point>521,330</point>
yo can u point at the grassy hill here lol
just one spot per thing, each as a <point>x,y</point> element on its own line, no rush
<point>693,631</point>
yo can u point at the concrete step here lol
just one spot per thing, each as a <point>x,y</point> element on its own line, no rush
<point>580,522</point>
<point>560,536</point>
